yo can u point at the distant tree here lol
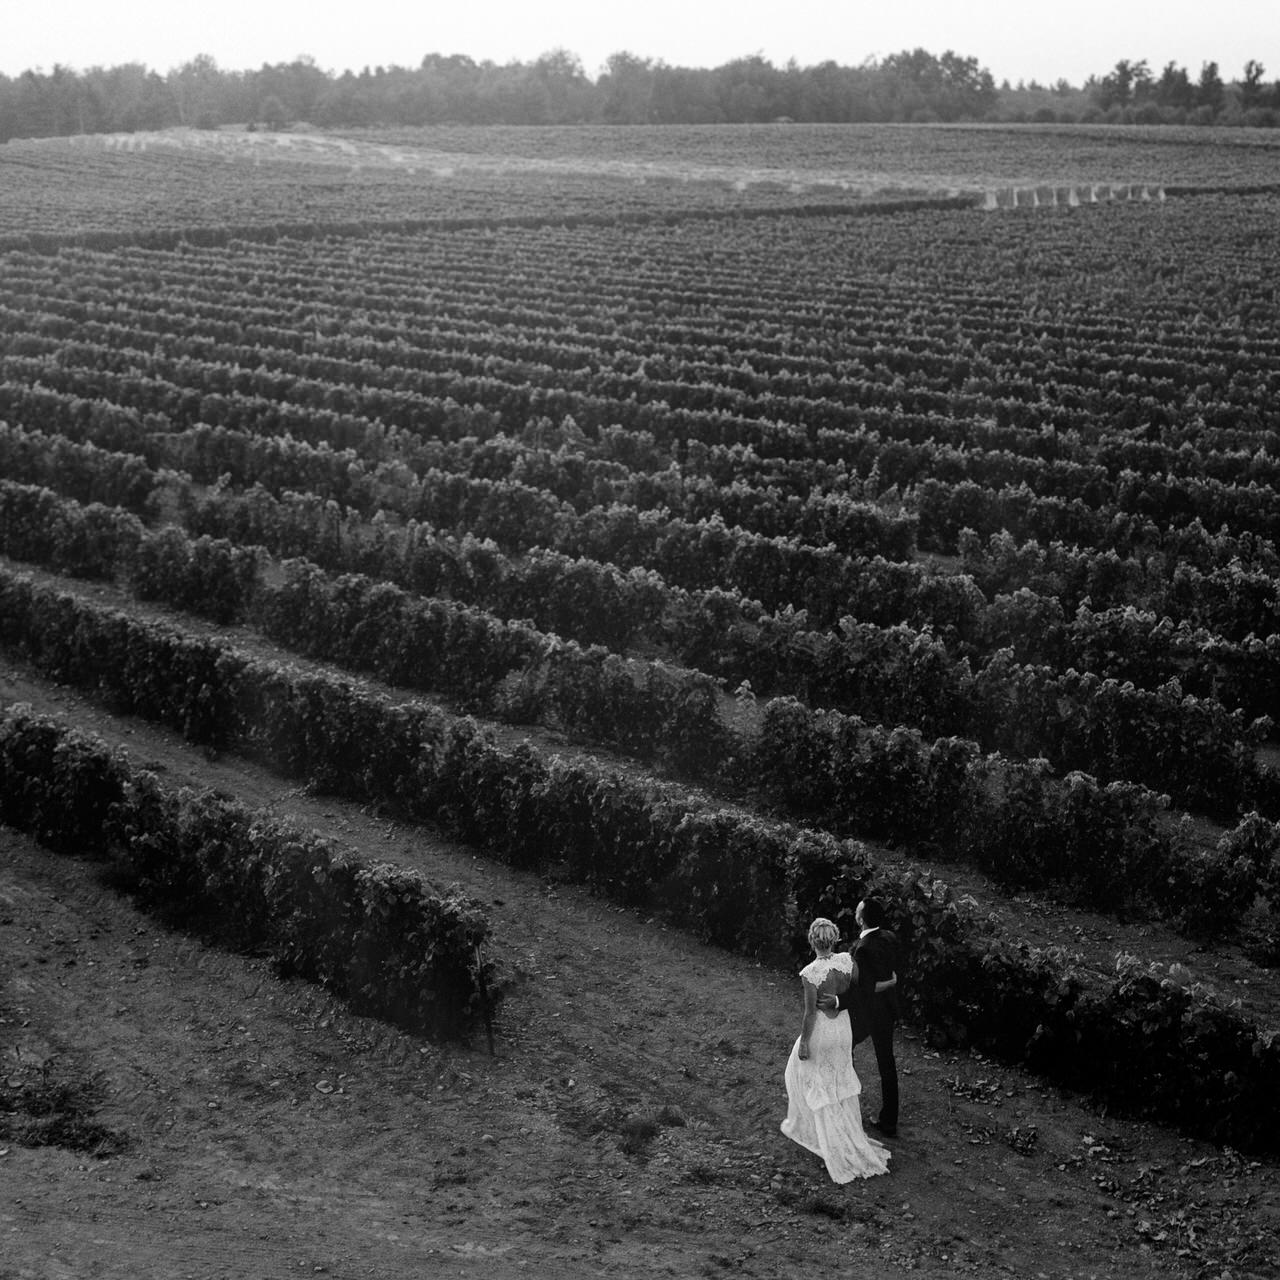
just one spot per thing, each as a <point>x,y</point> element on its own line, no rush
<point>67,101</point>
<point>1174,88</point>
<point>910,82</point>
<point>829,92</point>
<point>450,90</point>
<point>272,113</point>
<point>1252,93</point>
<point>196,87</point>
<point>298,86</point>
<point>750,90</point>
<point>21,116</point>
<point>911,85</point>
<point>560,91</point>
<point>130,98</point>
<point>969,90</point>
<point>1210,91</point>
<point>949,88</point>
<point>626,88</point>
<point>1123,83</point>
<point>684,95</point>
<point>350,101</point>
<point>48,104</point>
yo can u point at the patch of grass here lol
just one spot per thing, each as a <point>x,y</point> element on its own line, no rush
<point>640,1128</point>
<point>826,1206</point>
<point>51,1104</point>
<point>637,1132</point>
<point>819,1203</point>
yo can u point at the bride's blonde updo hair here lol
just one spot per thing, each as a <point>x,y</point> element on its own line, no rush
<point>823,933</point>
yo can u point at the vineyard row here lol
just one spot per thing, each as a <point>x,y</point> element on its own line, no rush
<point>1235,672</point>
<point>381,936</point>
<point>738,881</point>
<point>1099,844</point>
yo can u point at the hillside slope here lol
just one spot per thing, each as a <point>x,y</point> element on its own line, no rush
<point>626,1123</point>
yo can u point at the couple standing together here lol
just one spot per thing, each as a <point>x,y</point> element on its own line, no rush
<point>848,996</point>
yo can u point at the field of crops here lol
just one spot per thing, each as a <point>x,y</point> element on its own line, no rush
<point>115,187</point>
<point>877,519</point>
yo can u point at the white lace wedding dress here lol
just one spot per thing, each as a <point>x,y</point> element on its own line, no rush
<point>824,1104</point>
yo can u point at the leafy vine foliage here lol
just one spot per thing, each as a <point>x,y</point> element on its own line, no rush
<point>936,542</point>
<point>378,935</point>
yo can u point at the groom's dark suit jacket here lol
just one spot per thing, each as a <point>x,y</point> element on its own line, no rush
<point>877,959</point>
<point>876,956</point>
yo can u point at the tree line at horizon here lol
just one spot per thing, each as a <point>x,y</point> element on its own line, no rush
<point>913,86</point>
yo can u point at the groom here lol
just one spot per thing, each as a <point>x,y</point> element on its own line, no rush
<point>873,1005</point>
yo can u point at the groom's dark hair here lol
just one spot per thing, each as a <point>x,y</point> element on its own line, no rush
<point>872,913</point>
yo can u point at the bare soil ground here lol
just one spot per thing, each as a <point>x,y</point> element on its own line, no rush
<point>626,1124</point>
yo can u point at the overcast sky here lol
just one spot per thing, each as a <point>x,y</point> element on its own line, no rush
<point>1014,39</point>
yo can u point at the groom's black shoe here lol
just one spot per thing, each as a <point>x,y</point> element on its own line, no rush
<point>889,1131</point>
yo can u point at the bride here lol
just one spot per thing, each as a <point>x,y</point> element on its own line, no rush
<point>824,1109</point>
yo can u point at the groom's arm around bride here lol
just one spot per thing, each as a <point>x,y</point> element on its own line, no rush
<point>860,1000</point>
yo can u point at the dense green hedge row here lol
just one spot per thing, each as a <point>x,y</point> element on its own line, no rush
<point>1231,593</point>
<point>846,522</point>
<point>730,634</point>
<point>1191,748</point>
<point>522,516</point>
<point>646,709</point>
<point>90,541</point>
<point>950,491</point>
<point>1142,1043</point>
<point>1218,582</point>
<point>378,935</point>
<point>608,380</point>
<point>945,508</point>
<point>269,379</point>
<point>80,470</point>
<point>777,572</point>
<point>1100,845</point>
<point>1073,496</point>
<point>1239,669</point>
<point>816,503</point>
<point>1106,846</point>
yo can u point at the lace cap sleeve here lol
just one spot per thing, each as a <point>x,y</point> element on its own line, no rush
<point>817,971</point>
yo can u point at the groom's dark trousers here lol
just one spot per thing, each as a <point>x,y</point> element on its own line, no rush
<point>882,1022</point>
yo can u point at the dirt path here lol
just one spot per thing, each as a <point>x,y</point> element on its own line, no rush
<point>626,1126</point>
